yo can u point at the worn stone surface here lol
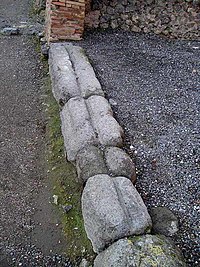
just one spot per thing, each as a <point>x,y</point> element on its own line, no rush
<point>164,221</point>
<point>64,84</point>
<point>142,251</point>
<point>119,163</point>
<point>112,208</point>
<point>88,83</point>
<point>109,131</point>
<point>90,162</point>
<point>76,127</point>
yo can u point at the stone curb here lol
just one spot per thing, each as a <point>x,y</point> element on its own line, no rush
<point>71,73</point>
<point>148,250</point>
<point>111,206</point>
<point>113,161</point>
<point>86,78</point>
<point>64,84</point>
<point>77,128</point>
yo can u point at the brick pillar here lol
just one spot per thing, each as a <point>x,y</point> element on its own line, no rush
<point>65,19</point>
<point>87,6</point>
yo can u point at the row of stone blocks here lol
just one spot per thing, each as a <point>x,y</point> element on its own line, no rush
<point>111,206</point>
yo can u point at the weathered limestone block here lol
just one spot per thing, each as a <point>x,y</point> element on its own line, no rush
<point>109,132</point>
<point>88,83</point>
<point>64,84</point>
<point>76,127</point>
<point>141,251</point>
<point>90,162</point>
<point>112,208</point>
<point>119,163</point>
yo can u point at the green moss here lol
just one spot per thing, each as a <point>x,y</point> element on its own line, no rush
<point>156,250</point>
<point>62,175</point>
<point>151,262</point>
<point>65,185</point>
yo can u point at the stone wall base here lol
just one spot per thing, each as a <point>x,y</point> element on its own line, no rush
<point>174,18</point>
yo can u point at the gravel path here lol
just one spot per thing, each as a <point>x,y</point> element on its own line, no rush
<point>153,85</point>
<point>13,11</point>
<point>30,234</point>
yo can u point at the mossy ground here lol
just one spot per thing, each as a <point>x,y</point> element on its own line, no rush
<point>62,174</point>
<point>64,182</point>
<point>63,178</point>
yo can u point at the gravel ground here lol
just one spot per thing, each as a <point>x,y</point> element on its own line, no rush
<point>152,84</point>
<point>12,12</point>
<point>30,231</point>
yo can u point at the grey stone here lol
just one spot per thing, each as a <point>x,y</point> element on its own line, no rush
<point>84,263</point>
<point>64,84</point>
<point>45,50</point>
<point>135,28</point>
<point>141,251</point>
<point>110,10</point>
<point>112,102</point>
<point>104,25</point>
<point>109,131</point>
<point>114,24</point>
<point>10,31</point>
<point>76,127</point>
<point>88,83</point>
<point>119,8</point>
<point>112,208</point>
<point>90,162</point>
<point>164,221</point>
<point>119,163</point>
<point>67,208</point>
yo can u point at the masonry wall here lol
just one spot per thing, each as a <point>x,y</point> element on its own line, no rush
<point>65,19</point>
<point>174,18</point>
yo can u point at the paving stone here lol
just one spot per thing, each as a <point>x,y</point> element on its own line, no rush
<point>90,162</point>
<point>109,132</point>
<point>112,208</point>
<point>141,251</point>
<point>119,163</point>
<point>64,84</point>
<point>88,83</point>
<point>76,127</point>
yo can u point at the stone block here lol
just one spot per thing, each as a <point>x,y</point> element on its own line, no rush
<point>119,163</point>
<point>88,83</point>
<point>90,162</point>
<point>164,221</point>
<point>141,251</point>
<point>64,84</point>
<point>76,127</point>
<point>112,209</point>
<point>109,132</point>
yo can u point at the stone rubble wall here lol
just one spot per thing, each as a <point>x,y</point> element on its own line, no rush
<point>174,18</point>
<point>111,206</point>
<point>64,20</point>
